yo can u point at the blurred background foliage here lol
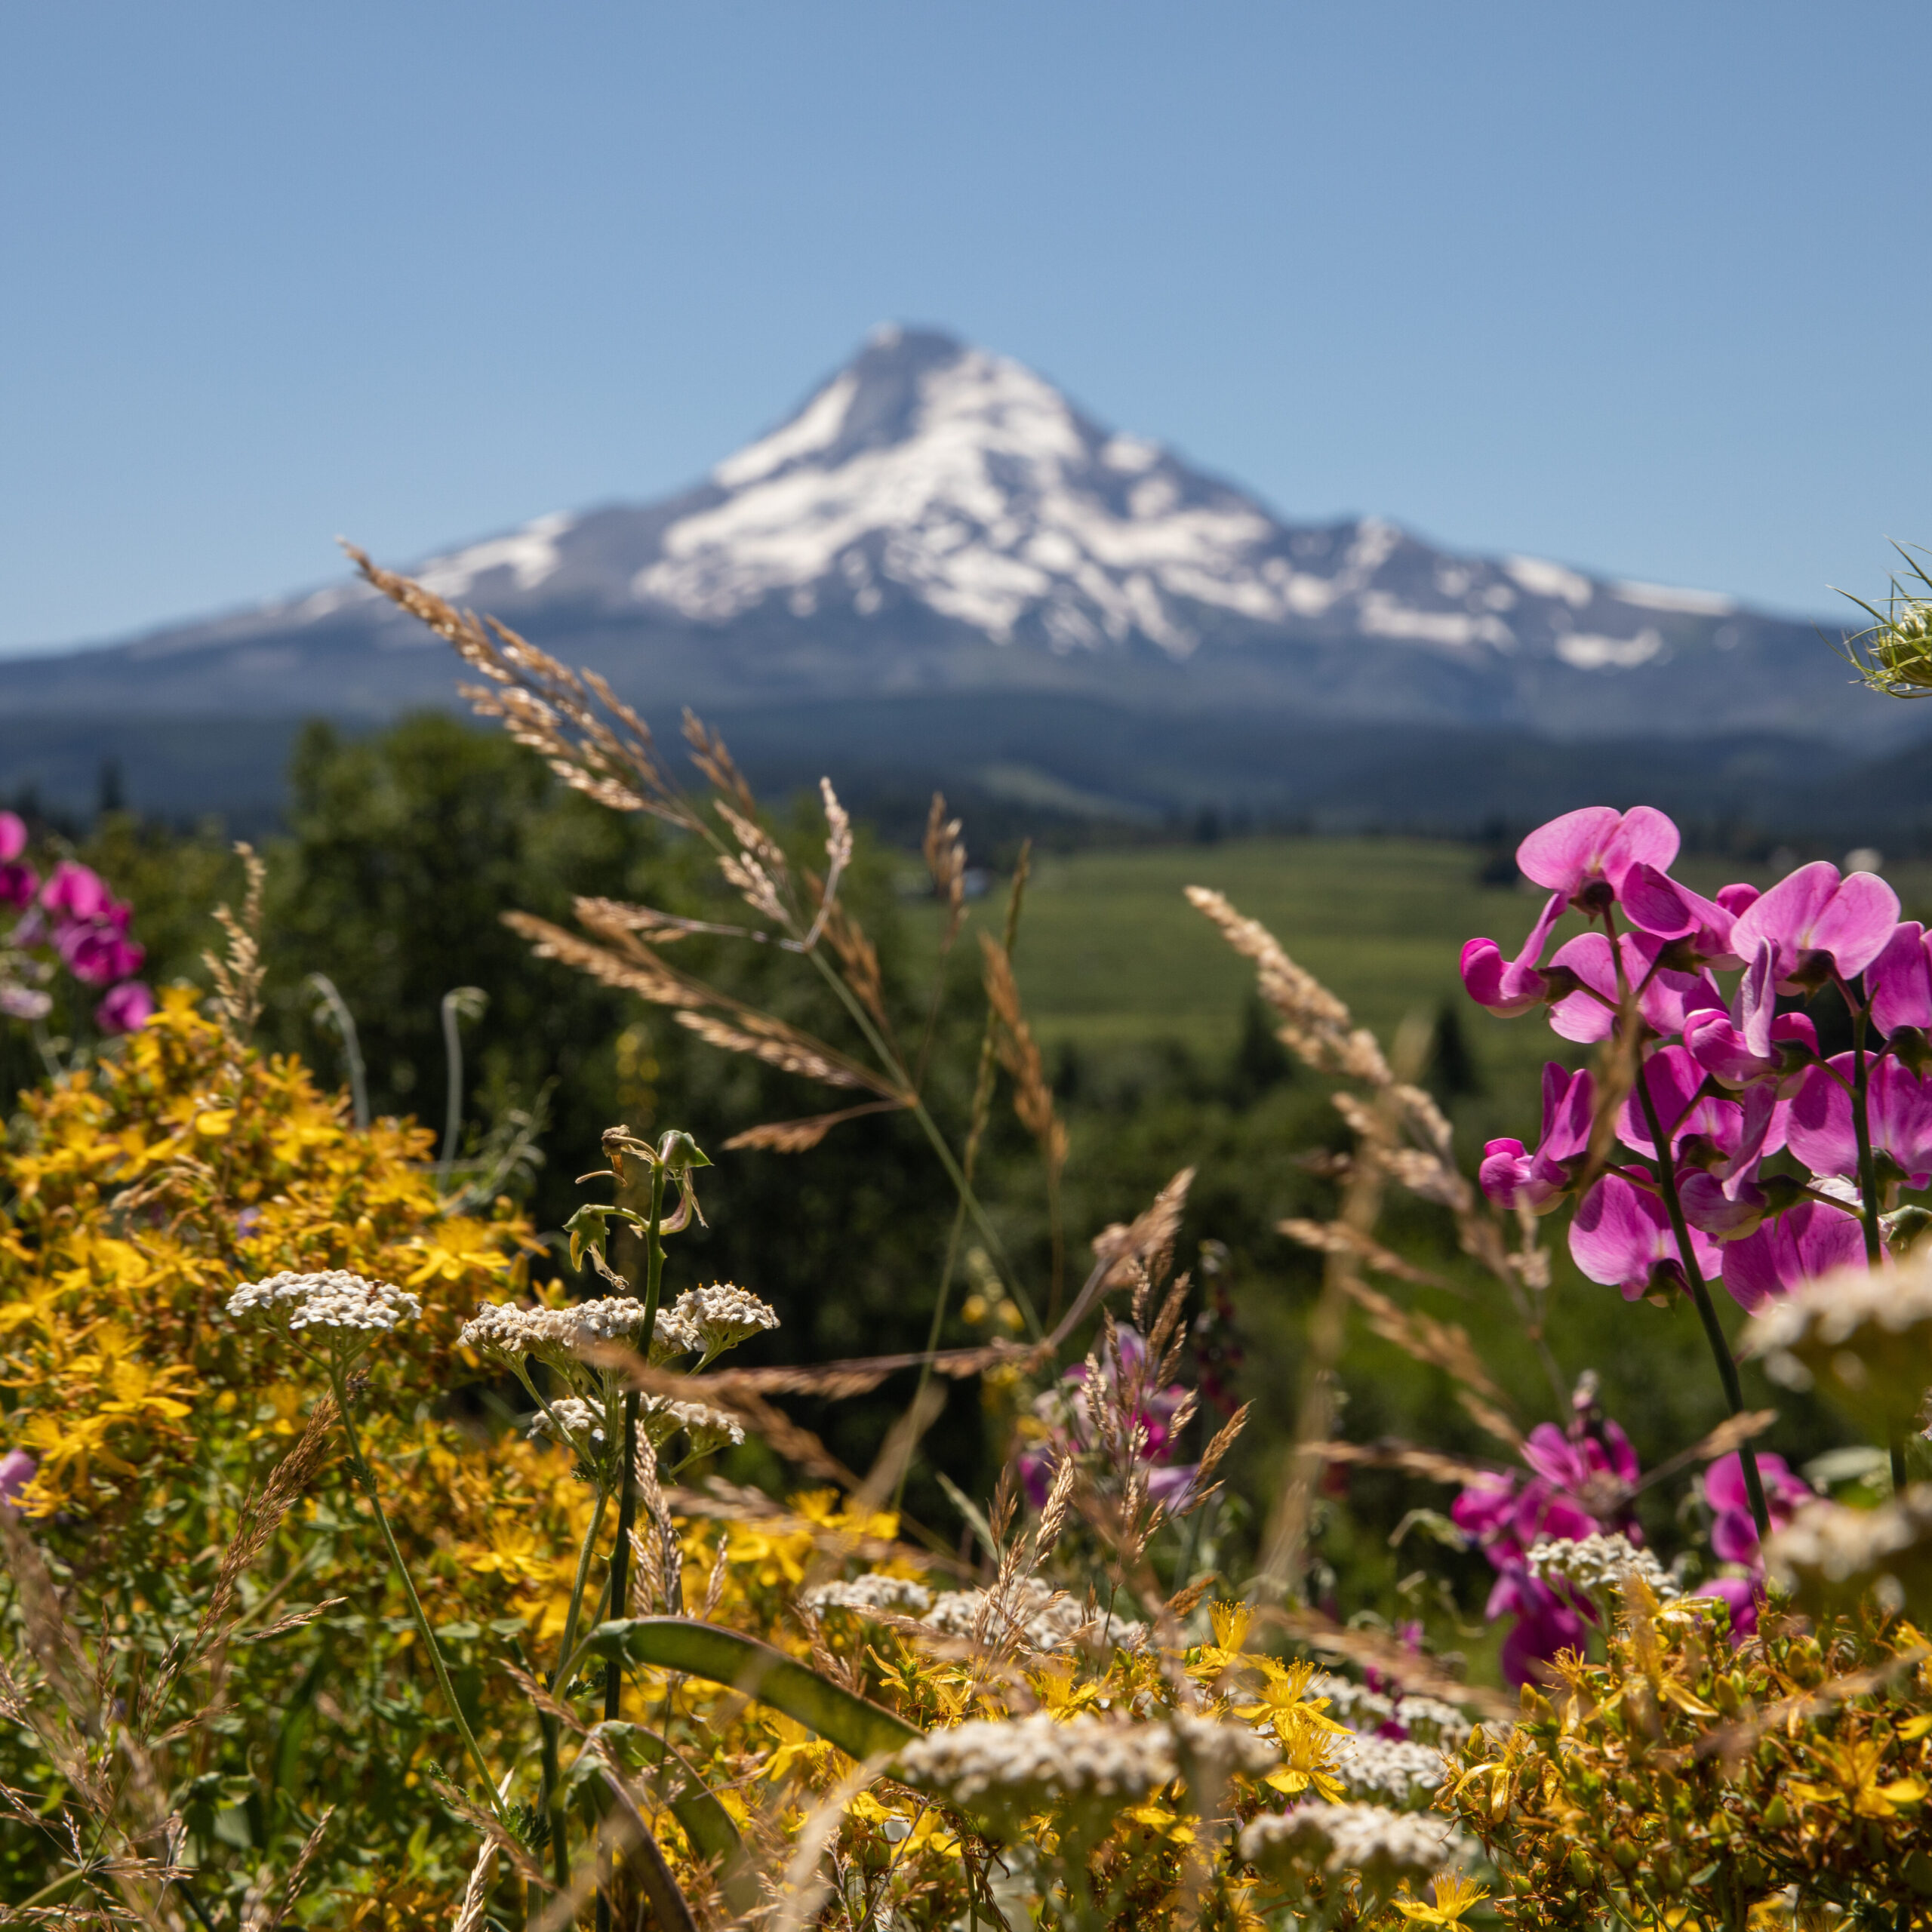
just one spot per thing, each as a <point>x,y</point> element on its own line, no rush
<point>404,848</point>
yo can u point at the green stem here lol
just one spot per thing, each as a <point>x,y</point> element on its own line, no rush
<point>367,1476</point>
<point>1867,1185</point>
<point>550,1805</point>
<point>1727,1363</point>
<point>620,1556</point>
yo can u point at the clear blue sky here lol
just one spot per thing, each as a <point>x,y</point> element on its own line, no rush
<point>1644,288</point>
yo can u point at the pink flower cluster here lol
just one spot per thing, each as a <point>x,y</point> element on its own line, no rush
<point>1579,1484</point>
<point>73,917</point>
<point>1724,1082</point>
<point>1151,1417</point>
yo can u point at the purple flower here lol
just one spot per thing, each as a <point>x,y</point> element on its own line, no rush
<point>1741,1595</point>
<point>17,1469</point>
<point>76,890</point>
<point>1668,910</point>
<point>126,1008</point>
<point>1546,1624</point>
<point>1585,855</point>
<point>1818,924</point>
<point>1622,1237</point>
<point>1745,1045</point>
<point>96,955</point>
<point>1667,995</point>
<point>1899,981</point>
<point>1733,1529</point>
<point>1674,1080</point>
<point>18,882</point>
<point>1513,1177</point>
<point>1900,1103</point>
<point>1798,1246</point>
<point>1508,987</point>
<point>13,843</point>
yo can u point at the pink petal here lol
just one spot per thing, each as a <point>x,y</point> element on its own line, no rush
<point>1657,904</point>
<point>1559,855</point>
<point>1900,980</point>
<point>1854,927</point>
<point>1821,1133</point>
<point>1737,899</point>
<point>1647,837</point>
<point>12,836</point>
<point>1786,913</point>
<point>1614,1238</point>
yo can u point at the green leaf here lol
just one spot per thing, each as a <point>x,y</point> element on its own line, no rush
<point>706,1822</point>
<point>859,1728</point>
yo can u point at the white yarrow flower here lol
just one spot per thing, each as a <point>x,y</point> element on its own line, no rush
<point>1598,1564</point>
<point>722,1316</point>
<point>874,1591</point>
<point>1383,1847</point>
<point>1398,1772</point>
<point>333,1299</point>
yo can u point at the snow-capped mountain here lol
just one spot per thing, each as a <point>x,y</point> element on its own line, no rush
<point>937,519</point>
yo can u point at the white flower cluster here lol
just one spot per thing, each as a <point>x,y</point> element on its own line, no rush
<point>1384,1847</point>
<point>1088,1767</point>
<point>720,1316</point>
<point>1828,1541</point>
<point>1825,1315</point>
<point>579,1420</point>
<point>1598,1564</point>
<point>505,1329</point>
<point>873,1590</point>
<point>708,1429</point>
<point>1042,1618</point>
<point>1397,1770</point>
<point>333,1299</point>
<point>701,1322</point>
<point>1426,1719</point>
<point>1215,1752</point>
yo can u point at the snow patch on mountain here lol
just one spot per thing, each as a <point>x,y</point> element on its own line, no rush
<point>531,555</point>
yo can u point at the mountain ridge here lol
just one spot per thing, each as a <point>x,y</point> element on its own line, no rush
<point>935,520</point>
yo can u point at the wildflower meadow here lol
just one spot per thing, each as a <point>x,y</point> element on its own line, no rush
<point>376,1556</point>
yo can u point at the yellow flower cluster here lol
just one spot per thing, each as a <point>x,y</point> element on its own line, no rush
<point>1684,1781</point>
<point>142,1190</point>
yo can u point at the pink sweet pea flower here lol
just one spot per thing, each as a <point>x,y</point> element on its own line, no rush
<point>1742,1596</point>
<point>1510,987</point>
<point>1733,1529</point>
<point>1667,997</point>
<point>18,882</point>
<point>1662,907</point>
<point>1801,1244</point>
<point>1674,1082</point>
<point>1899,981</point>
<point>1585,855</point>
<point>17,1469</point>
<point>1597,1468</point>
<point>1546,1624</point>
<point>98,955</point>
<point>126,1009</point>
<point>1821,1133</point>
<point>1513,1177</point>
<point>77,891</point>
<point>13,843</point>
<point>1622,1237</point>
<point>1818,924</point>
<point>1744,1046</point>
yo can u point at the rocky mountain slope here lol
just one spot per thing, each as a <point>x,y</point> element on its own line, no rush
<point>937,523</point>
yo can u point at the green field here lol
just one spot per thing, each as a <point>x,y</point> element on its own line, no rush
<point>1111,956</point>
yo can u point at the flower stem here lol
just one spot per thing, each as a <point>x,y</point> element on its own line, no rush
<point>1868,1183</point>
<point>1727,1362</point>
<point>620,1556</point>
<point>552,1805</point>
<point>367,1476</point>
